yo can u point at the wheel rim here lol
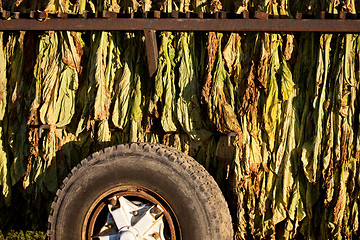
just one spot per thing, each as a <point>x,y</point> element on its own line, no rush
<point>130,213</point>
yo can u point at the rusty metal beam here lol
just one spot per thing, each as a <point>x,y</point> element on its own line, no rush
<point>151,50</point>
<point>184,24</point>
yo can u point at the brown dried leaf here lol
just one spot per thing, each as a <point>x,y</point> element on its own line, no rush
<point>72,56</point>
<point>18,2</point>
<point>289,46</point>
<point>213,41</point>
<point>249,93</point>
<point>231,51</point>
<point>263,67</point>
<point>216,5</point>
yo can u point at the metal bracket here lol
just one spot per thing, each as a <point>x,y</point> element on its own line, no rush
<point>229,135</point>
<point>43,127</point>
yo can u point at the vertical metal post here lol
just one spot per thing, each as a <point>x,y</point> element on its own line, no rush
<point>151,50</point>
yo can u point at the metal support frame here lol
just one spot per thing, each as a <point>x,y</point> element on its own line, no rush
<point>151,50</point>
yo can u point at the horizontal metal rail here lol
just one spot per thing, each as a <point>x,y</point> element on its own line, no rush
<point>177,21</point>
<point>223,25</point>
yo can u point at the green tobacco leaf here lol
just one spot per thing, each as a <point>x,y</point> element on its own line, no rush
<point>58,81</point>
<point>287,83</point>
<point>271,111</point>
<point>232,56</point>
<point>136,115</point>
<point>221,100</point>
<point>3,79</point>
<point>5,180</point>
<point>49,171</point>
<point>252,158</point>
<point>311,165</point>
<point>188,106</point>
<point>17,108</point>
<point>103,78</point>
<point>104,134</point>
<point>89,89</point>
<point>287,120</point>
<point>123,89</point>
<point>165,83</point>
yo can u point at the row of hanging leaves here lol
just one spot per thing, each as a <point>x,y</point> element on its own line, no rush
<point>292,101</point>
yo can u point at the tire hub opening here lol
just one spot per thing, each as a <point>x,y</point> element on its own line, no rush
<point>130,215</point>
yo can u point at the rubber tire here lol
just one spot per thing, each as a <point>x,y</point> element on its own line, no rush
<point>192,193</point>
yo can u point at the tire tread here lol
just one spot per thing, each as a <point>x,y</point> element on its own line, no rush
<point>209,192</point>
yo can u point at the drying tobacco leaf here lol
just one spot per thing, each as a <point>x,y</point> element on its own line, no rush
<point>213,41</point>
<point>123,86</point>
<point>165,83</point>
<point>188,107</point>
<point>5,180</point>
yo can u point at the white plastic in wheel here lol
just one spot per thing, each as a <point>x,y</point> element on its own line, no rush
<point>134,221</point>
